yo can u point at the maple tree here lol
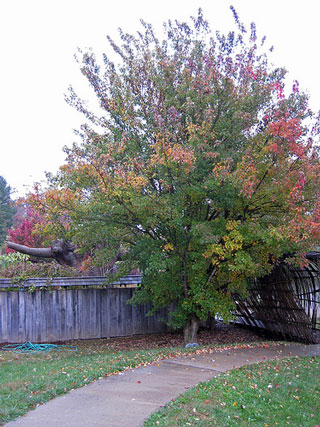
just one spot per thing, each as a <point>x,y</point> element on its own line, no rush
<point>200,169</point>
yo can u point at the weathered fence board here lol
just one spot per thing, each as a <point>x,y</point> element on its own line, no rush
<point>39,282</point>
<point>72,312</point>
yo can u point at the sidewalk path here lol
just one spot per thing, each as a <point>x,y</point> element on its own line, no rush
<point>127,399</point>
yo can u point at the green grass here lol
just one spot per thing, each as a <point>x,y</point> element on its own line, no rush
<point>27,380</point>
<point>277,393</point>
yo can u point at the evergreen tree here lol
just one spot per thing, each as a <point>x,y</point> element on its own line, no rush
<point>7,210</point>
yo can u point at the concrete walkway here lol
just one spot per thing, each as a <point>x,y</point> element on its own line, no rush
<point>127,399</point>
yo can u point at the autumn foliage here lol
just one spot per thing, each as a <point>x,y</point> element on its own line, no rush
<point>200,168</point>
<point>26,227</point>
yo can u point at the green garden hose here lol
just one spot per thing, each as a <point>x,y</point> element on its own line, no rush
<point>28,347</point>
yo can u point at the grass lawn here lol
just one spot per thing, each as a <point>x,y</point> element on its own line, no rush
<point>28,380</point>
<point>275,393</point>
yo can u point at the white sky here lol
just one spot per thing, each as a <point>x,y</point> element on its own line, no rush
<point>40,37</point>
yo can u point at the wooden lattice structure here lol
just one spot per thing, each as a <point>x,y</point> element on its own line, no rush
<point>286,302</point>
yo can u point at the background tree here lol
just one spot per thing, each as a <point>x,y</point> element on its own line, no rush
<point>32,231</point>
<point>28,227</point>
<point>204,173</point>
<point>7,210</point>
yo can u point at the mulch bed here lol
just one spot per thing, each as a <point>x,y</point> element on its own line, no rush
<point>223,334</point>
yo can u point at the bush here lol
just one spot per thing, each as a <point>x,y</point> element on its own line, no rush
<point>17,265</point>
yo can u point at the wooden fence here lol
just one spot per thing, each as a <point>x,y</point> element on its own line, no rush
<point>72,308</point>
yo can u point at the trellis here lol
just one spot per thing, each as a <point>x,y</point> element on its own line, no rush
<point>286,302</point>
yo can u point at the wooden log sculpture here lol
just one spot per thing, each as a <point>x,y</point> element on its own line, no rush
<point>62,251</point>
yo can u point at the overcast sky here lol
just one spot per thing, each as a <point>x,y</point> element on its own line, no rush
<point>40,37</point>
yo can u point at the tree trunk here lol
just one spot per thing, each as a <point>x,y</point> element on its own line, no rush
<point>191,330</point>
<point>62,251</point>
<point>37,252</point>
